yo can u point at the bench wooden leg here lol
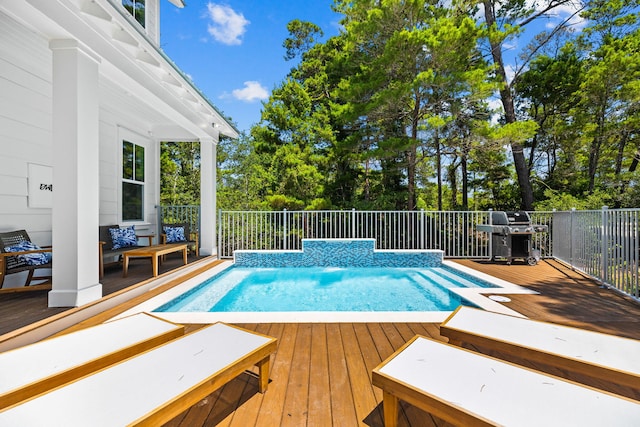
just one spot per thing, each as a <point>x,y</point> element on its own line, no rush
<point>263,367</point>
<point>154,265</point>
<point>390,409</point>
<point>125,265</point>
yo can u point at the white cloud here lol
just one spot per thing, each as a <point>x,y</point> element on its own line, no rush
<point>495,104</point>
<point>562,12</point>
<point>576,21</point>
<point>510,71</point>
<point>227,26</point>
<point>252,91</point>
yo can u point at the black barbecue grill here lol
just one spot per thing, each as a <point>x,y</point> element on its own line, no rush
<point>511,234</point>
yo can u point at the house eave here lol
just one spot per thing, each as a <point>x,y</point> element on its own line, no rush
<point>127,54</point>
<point>177,3</point>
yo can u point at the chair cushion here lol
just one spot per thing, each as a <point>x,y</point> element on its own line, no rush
<point>29,259</point>
<point>123,237</point>
<point>174,234</point>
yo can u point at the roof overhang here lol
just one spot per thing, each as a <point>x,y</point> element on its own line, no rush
<point>178,3</point>
<point>130,60</point>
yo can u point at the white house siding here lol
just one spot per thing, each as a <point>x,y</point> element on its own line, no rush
<point>25,125</point>
<point>26,137</point>
<point>25,130</point>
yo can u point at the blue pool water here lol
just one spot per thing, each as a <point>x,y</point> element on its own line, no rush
<point>244,289</point>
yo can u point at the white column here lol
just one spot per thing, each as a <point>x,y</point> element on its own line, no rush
<point>75,175</point>
<point>208,239</point>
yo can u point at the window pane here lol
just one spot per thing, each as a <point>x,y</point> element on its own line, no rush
<point>139,164</point>
<point>139,12</point>
<point>136,9</point>
<point>127,160</point>
<point>132,201</point>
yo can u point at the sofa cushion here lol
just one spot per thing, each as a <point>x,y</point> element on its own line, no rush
<point>29,259</point>
<point>123,237</point>
<point>174,234</point>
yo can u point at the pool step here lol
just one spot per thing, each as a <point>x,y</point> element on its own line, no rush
<point>436,288</point>
<point>439,276</point>
<point>457,278</point>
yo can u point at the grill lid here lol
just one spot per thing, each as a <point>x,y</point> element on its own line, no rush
<point>518,218</point>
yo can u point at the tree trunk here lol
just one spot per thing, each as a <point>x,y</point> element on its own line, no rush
<point>412,157</point>
<point>465,182</point>
<point>436,142</point>
<point>519,161</point>
<point>453,182</point>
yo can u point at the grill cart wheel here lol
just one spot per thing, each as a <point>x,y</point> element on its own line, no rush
<point>532,260</point>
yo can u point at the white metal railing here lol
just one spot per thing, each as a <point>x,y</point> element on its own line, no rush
<point>175,214</point>
<point>603,244</point>
<point>454,232</point>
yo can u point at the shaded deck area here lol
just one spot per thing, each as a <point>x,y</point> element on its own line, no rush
<point>321,373</point>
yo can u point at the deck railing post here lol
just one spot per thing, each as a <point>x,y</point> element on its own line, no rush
<point>285,229</point>
<point>422,229</point>
<point>220,254</point>
<point>604,242</point>
<point>490,242</point>
<point>571,236</point>
<point>353,223</point>
<point>198,223</point>
<point>159,222</point>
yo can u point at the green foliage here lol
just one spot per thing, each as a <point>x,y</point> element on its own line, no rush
<point>278,202</point>
<point>303,36</point>
<point>394,112</point>
<point>565,201</point>
<point>240,177</point>
<point>179,173</point>
<point>514,132</point>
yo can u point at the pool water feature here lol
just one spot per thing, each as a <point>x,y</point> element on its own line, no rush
<point>248,289</point>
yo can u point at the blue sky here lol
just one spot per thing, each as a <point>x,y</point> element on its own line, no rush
<point>232,50</point>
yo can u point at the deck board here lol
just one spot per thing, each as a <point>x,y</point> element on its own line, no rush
<point>341,397</point>
<point>321,373</point>
<point>319,384</point>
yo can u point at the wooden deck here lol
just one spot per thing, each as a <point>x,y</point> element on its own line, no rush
<point>321,373</point>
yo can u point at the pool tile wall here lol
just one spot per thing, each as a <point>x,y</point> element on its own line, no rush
<point>339,253</point>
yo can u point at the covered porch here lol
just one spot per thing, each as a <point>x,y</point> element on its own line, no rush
<point>92,97</point>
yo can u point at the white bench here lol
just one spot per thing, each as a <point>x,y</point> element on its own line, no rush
<point>153,387</point>
<point>595,355</point>
<point>470,389</point>
<point>35,368</point>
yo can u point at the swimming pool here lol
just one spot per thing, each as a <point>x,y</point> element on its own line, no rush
<point>424,272</point>
<point>246,289</point>
<point>479,296</point>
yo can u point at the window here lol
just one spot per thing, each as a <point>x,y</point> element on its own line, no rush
<point>136,9</point>
<point>132,182</point>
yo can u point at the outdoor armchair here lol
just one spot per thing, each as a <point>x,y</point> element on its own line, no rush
<point>18,253</point>
<point>178,233</point>
<point>110,248</point>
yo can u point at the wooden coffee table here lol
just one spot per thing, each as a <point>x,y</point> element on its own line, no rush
<point>154,252</point>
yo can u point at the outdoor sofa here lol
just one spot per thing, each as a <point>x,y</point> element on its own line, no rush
<point>111,249</point>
